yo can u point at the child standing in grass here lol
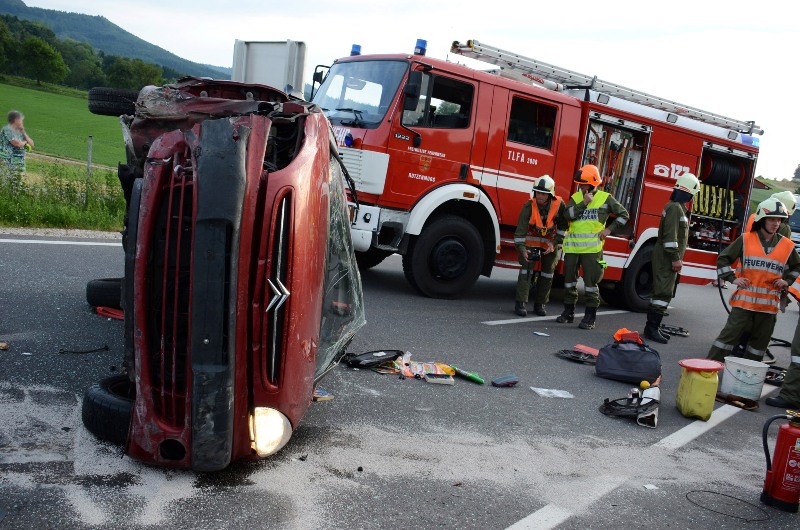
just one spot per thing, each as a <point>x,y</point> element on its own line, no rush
<point>14,141</point>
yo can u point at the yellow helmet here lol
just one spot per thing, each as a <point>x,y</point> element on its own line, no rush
<point>545,184</point>
<point>771,208</point>
<point>588,174</point>
<point>788,200</point>
<point>688,182</point>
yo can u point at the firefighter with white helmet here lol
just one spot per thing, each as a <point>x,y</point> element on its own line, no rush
<point>769,264</point>
<point>788,200</point>
<point>588,211</point>
<point>539,234</point>
<point>673,234</point>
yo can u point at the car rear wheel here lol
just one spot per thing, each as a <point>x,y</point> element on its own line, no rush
<point>446,258</point>
<point>105,292</point>
<point>112,101</point>
<point>107,408</point>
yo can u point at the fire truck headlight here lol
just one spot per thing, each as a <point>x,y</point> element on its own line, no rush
<point>270,430</point>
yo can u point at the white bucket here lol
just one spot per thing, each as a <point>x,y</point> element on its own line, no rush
<point>743,377</point>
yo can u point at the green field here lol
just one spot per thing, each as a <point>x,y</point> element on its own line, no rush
<point>60,125</point>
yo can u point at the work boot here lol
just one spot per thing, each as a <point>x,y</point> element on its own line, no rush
<point>538,309</point>
<point>588,318</point>
<point>521,309</point>
<point>568,315</point>
<point>651,330</point>
<point>780,402</point>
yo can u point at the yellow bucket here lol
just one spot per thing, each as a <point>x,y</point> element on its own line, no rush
<point>697,388</point>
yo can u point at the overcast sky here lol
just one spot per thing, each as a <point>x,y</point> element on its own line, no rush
<point>734,57</point>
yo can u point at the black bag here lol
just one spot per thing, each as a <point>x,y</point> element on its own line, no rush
<point>628,361</point>
<point>371,358</point>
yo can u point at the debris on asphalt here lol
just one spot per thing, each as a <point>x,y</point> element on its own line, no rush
<point>737,401</point>
<point>371,358</point>
<point>650,487</point>
<point>321,395</point>
<point>552,393</point>
<point>26,353</point>
<point>3,346</point>
<point>471,376</point>
<point>104,347</point>
<point>505,380</point>
<point>110,312</point>
<point>540,334</point>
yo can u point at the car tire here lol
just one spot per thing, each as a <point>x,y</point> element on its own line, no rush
<point>637,281</point>
<point>107,409</point>
<point>112,101</point>
<point>105,292</point>
<point>446,259</point>
<point>371,258</point>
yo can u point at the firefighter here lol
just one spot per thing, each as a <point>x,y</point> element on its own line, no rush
<point>788,200</point>
<point>587,213</point>
<point>540,232</point>
<point>769,263</point>
<point>668,251</point>
<point>789,396</point>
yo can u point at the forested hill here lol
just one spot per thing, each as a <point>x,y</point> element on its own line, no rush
<point>109,38</point>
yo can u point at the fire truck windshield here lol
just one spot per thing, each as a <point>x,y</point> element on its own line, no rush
<point>359,93</point>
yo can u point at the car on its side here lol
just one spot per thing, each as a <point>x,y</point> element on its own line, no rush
<point>241,289</point>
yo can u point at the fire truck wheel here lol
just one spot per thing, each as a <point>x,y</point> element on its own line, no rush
<point>611,293</point>
<point>446,258</point>
<point>112,101</point>
<point>371,258</point>
<point>105,292</point>
<point>107,408</point>
<point>637,281</point>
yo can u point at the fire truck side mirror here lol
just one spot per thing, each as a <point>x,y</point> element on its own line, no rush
<point>412,90</point>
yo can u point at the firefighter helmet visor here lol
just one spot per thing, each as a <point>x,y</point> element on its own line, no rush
<point>771,208</point>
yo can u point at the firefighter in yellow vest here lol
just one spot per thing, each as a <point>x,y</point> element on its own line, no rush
<point>788,200</point>
<point>789,396</point>
<point>540,232</point>
<point>769,263</point>
<point>673,233</point>
<point>588,211</point>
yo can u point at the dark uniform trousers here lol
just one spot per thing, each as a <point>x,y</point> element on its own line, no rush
<point>527,275</point>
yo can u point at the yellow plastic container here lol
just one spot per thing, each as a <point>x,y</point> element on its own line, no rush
<point>697,388</point>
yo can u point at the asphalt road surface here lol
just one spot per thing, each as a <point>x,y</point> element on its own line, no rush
<point>385,452</point>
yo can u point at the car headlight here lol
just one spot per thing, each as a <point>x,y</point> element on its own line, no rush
<point>270,430</point>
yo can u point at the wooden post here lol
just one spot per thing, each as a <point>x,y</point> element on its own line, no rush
<point>88,174</point>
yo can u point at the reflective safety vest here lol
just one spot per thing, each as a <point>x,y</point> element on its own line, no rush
<point>761,269</point>
<point>582,237</point>
<point>541,234</point>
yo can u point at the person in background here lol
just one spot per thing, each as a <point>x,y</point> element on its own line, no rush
<point>588,211</point>
<point>14,141</point>
<point>540,232</point>
<point>769,263</point>
<point>789,396</point>
<point>673,233</point>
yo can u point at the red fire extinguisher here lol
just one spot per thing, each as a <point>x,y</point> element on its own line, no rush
<point>782,484</point>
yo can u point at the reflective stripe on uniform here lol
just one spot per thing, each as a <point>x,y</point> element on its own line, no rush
<point>723,346</point>
<point>592,289</point>
<point>569,285</point>
<point>548,275</point>
<point>519,240</point>
<point>757,353</point>
<point>670,244</point>
<point>659,303</point>
<point>724,270</point>
<point>622,221</point>
<point>796,359</point>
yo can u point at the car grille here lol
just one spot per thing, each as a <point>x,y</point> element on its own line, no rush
<point>169,292</point>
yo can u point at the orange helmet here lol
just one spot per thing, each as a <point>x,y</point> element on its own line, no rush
<point>588,174</point>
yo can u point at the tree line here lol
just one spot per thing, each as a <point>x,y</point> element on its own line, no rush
<point>31,49</point>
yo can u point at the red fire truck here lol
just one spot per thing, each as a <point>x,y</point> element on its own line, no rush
<point>444,156</point>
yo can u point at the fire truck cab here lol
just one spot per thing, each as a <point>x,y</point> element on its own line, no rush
<point>444,157</point>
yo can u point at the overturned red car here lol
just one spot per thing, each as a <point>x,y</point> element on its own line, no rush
<point>240,289</point>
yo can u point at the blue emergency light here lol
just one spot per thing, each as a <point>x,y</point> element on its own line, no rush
<point>355,50</point>
<point>348,140</point>
<point>421,47</point>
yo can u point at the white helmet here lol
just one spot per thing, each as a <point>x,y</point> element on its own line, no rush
<point>688,182</point>
<point>545,184</point>
<point>771,207</point>
<point>788,200</point>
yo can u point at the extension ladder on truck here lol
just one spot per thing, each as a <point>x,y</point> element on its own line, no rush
<point>515,66</point>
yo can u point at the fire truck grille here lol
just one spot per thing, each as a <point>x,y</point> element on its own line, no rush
<point>169,286</point>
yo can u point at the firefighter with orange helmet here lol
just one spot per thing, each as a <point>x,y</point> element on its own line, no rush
<point>673,233</point>
<point>539,234</point>
<point>769,264</point>
<point>588,211</point>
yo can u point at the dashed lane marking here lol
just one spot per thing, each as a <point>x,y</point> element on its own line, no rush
<point>49,242</point>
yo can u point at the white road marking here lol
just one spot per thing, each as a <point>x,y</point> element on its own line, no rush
<point>553,515</point>
<point>47,242</point>
<point>536,319</point>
